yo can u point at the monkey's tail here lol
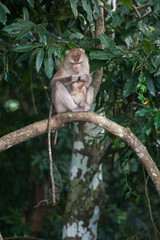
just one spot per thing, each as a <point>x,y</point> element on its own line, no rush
<point>50,155</point>
<point>51,163</point>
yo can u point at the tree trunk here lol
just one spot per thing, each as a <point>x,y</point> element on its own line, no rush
<point>86,192</point>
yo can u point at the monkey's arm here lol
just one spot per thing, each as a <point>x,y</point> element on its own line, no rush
<point>66,81</point>
<point>62,79</point>
<point>86,78</point>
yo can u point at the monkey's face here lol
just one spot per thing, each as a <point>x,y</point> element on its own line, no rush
<point>75,58</point>
<point>77,68</point>
<point>78,85</point>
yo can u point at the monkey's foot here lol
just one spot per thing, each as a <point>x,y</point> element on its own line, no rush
<point>84,106</point>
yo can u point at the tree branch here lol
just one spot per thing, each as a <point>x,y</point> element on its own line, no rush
<point>60,120</point>
<point>99,29</point>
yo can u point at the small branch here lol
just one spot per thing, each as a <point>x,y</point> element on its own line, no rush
<point>32,93</point>
<point>143,6</point>
<point>149,204</point>
<point>60,120</point>
<point>22,237</point>
<point>99,29</point>
<point>136,8</point>
<point>139,104</point>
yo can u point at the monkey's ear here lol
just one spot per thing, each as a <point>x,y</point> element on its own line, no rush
<point>66,52</point>
<point>82,50</point>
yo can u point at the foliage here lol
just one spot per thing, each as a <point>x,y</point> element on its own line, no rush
<point>32,44</point>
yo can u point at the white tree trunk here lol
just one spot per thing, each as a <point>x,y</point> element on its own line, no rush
<point>86,187</point>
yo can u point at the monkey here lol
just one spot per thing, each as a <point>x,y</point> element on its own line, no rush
<point>79,94</point>
<point>74,67</point>
<point>74,70</point>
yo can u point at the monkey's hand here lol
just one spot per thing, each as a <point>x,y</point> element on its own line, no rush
<point>83,78</point>
<point>74,78</point>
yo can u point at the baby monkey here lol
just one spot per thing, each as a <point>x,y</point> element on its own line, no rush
<point>79,94</point>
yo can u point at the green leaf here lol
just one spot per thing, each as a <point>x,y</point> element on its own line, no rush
<point>51,51</point>
<point>147,128</point>
<point>31,3</point>
<point>129,41</point>
<point>12,27</point>
<point>5,8</point>
<point>3,16</point>
<point>116,21</point>
<point>76,35</point>
<point>101,55</point>
<point>96,9</point>
<point>141,87</point>
<point>96,65</point>
<point>87,7</point>
<point>150,84</point>
<point>116,142</point>
<point>127,4</point>
<point>24,32</point>
<point>130,85</point>
<point>128,194</point>
<point>49,66</point>
<point>35,51</point>
<point>122,181</point>
<point>156,5</point>
<point>143,27</point>
<point>124,163</point>
<point>25,13</point>
<point>124,189</point>
<point>108,43</point>
<point>73,4</point>
<point>39,59</point>
<point>146,45</point>
<point>155,34</point>
<point>129,187</point>
<point>42,37</point>
<point>157,120</point>
<point>138,200</point>
<point>23,48</point>
<point>145,111</point>
<point>90,42</point>
<point>16,28</point>
<point>23,57</point>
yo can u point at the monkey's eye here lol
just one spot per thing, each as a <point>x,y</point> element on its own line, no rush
<point>75,63</point>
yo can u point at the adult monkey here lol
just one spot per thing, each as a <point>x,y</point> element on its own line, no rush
<point>75,67</point>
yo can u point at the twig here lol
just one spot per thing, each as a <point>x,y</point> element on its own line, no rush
<point>143,6</point>
<point>22,237</point>
<point>149,204</point>
<point>136,8</point>
<point>32,94</point>
<point>45,88</point>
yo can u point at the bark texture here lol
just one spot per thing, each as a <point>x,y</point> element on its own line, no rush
<point>86,187</point>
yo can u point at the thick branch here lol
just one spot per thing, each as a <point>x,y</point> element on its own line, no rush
<point>60,120</point>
